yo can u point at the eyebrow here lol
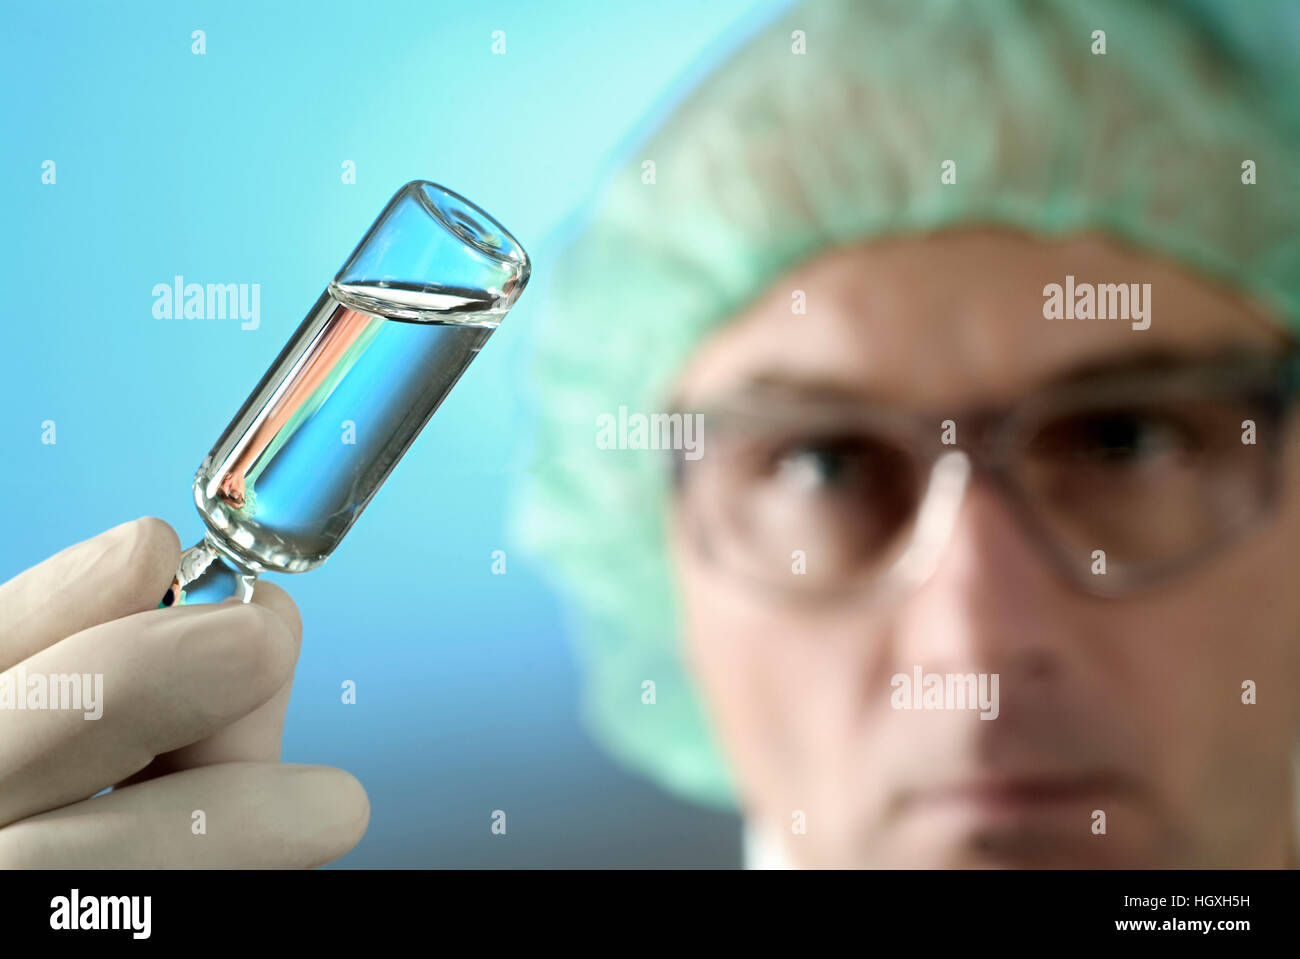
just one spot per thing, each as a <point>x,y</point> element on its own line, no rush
<point>1150,361</point>
<point>767,385</point>
<point>768,382</point>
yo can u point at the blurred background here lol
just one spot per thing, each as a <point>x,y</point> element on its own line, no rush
<point>228,167</point>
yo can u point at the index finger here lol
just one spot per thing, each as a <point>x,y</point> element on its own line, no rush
<point>117,573</point>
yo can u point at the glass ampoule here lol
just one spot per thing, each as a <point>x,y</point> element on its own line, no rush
<point>380,350</point>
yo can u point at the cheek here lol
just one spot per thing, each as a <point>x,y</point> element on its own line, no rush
<point>1233,622</point>
<point>785,689</point>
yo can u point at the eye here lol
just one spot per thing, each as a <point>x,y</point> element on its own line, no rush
<point>818,463</point>
<point>1115,437</point>
<point>847,469</point>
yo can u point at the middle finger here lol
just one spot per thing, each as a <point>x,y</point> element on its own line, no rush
<point>169,677</point>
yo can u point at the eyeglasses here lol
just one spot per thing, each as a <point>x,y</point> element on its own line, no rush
<point>1123,479</point>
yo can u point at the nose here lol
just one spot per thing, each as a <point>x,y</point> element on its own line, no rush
<point>992,603</point>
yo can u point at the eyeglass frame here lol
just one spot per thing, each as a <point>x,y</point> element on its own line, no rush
<point>994,433</point>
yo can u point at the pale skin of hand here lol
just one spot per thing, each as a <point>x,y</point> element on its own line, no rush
<point>194,699</point>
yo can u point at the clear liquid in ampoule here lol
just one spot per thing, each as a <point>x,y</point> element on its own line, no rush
<point>333,415</point>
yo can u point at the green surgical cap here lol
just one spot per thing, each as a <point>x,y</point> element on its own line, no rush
<point>779,155</point>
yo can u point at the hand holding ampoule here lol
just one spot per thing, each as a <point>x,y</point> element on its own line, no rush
<point>191,706</point>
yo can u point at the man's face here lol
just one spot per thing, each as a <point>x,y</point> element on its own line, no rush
<point>1131,706</point>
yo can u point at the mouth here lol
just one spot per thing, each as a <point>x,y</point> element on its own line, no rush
<point>1014,798</point>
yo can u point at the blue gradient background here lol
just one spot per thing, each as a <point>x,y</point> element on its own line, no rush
<point>226,168</point>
